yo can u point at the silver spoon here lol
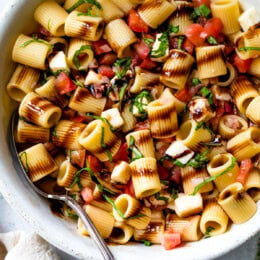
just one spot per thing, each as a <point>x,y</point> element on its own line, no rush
<point>107,255</point>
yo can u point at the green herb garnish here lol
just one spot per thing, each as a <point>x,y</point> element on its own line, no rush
<point>26,168</point>
<point>133,150</point>
<point>148,41</point>
<point>49,25</point>
<point>72,215</point>
<point>195,81</point>
<point>121,95</point>
<point>159,197</point>
<point>103,119</point>
<point>54,133</point>
<point>249,49</point>
<point>122,66</point>
<point>180,41</point>
<point>88,13</point>
<point>21,118</point>
<point>212,40</point>
<point>174,29</point>
<point>36,39</point>
<point>146,242</point>
<point>207,94</point>
<point>77,53</point>
<point>174,193</point>
<point>208,231</point>
<point>103,145</point>
<point>204,126</point>
<point>202,10</point>
<point>76,179</point>
<point>163,46</point>
<point>78,83</point>
<point>80,2</point>
<point>212,178</point>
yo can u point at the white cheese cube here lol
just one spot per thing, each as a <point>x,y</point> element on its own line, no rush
<point>249,18</point>
<point>156,46</point>
<point>59,62</point>
<point>114,117</point>
<point>188,205</point>
<point>93,78</point>
<point>121,173</point>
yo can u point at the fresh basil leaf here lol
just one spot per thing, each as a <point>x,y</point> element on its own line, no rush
<point>36,39</point>
<point>75,58</point>
<point>195,81</point>
<point>207,94</point>
<point>249,48</point>
<point>163,46</point>
<point>212,40</point>
<point>80,2</point>
<point>122,66</point>
<point>173,29</point>
<point>159,197</point>
<point>103,119</point>
<point>26,168</point>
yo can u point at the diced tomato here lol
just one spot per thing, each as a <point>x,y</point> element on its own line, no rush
<point>198,3</point>
<point>142,49</point>
<point>87,195</point>
<point>228,49</point>
<point>129,189</point>
<point>136,60</point>
<point>188,46</point>
<point>214,26</point>
<point>228,108</point>
<point>242,65</point>
<point>170,239</point>
<point>106,71</point>
<point>142,125</point>
<point>136,23</point>
<point>183,95</point>
<point>78,157</point>
<point>176,175</point>
<point>148,64</point>
<point>101,46</point>
<point>122,154</point>
<point>79,119</point>
<point>245,167</point>
<point>163,172</point>
<point>44,32</point>
<point>94,163</point>
<point>196,34</point>
<point>64,84</point>
<point>68,113</point>
<point>108,59</point>
<point>220,110</point>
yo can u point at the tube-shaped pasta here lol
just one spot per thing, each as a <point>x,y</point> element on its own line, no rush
<point>143,142</point>
<point>125,6</point>
<point>143,79</point>
<point>23,81</point>
<point>214,217</point>
<point>83,101</point>
<point>59,44</point>
<point>227,79</point>
<point>120,37</point>
<point>238,205</point>
<point>188,227</point>
<point>252,184</point>
<point>246,144</point>
<point>191,177</point>
<point>129,119</point>
<point>219,164</point>
<point>176,69</point>
<point>121,233</point>
<point>102,220</point>
<point>253,111</point>
<point>228,11</point>
<point>226,129</point>
<point>66,134</point>
<point>210,61</point>
<point>66,174</point>
<point>155,13</point>
<point>152,233</point>
<point>25,49</point>
<point>58,159</point>
<point>28,133</point>
<point>39,110</point>
<point>51,16</point>
<point>37,162</point>
<point>98,138</point>
<point>181,17</point>
<point>145,177</point>
<point>243,92</point>
<point>254,68</point>
<point>163,118</point>
<point>83,48</point>
<point>217,150</point>
<point>142,220</point>
<point>110,11</point>
<point>102,204</point>
<point>48,91</point>
<point>191,136</point>
<point>68,4</point>
<point>88,28</point>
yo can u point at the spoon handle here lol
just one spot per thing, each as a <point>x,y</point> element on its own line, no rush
<point>91,228</point>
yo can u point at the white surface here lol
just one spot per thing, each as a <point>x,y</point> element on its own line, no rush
<point>35,210</point>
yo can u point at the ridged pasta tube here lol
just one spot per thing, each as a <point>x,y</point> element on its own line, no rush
<point>110,11</point>
<point>145,177</point>
<point>246,144</point>
<point>129,119</point>
<point>51,16</point>
<point>66,174</point>
<point>254,68</point>
<point>238,205</point>
<point>68,4</point>
<point>23,81</point>
<point>121,233</point>
<point>125,5</point>
<point>253,110</point>
<point>39,110</point>
<point>252,184</point>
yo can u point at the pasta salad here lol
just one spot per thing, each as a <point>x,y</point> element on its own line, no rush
<point>147,112</point>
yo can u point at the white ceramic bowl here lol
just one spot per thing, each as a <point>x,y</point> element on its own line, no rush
<point>15,19</point>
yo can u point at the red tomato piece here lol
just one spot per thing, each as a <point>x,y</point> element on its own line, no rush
<point>101,46</point>
<point>163,172</point>
<point>79,119</point>
<point>68,113</point>
<point>64,84</point>
<point>148,64</point>
<point>242,65</point>
<point>183,95</point>
<point>44,32</point>
<point>142,125</point>
<point>245,167</point>
<point>87,195</point>
<point>94,163</point>
<point>108,59</point>
<point>188,46</point>
<point>136,23</point>
<point>129,189</point>
<point>106,71</point>
<point>196,34</point>
<point>78,157</point>
<point>176,175</point>
<point>214,26</point>
<point>122,154</point>
<point>170,240</point>
<point>142,49</point>
<point>198,3</point>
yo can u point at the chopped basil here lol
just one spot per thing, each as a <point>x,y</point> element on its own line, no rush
<point>146,242</point>
<point>195,81</point>
<point>72,215</point>
<point>103,145</point>
<point>202,10</point>
<point>159,197</point>
<point>103,119</point>
<point>148,41</point>
<point>49,24</point>
<point>121,95</point>
<point>78,83</point>
<point>180,41</point>
<point>207,94</point>
<point>204,126</point>
<point>36,39</point>
<point>57,73</point>
<point>163,46</point>
<point>208,231</point>
<point>77,53</point>
<point>54,133</point>
<point>178,163</point>
<point>88,13</point>
<point>174,193</point>
<point>210,179</point>
<point>212,40</point>
<point>199,160</point>
<point>26,168</point>
<point>80,2</point>
<point>76,179</point>
<point>21,118</point>
<point>249,48</point>
<point>133,150</point>
<point>174,29</point>
<point>122,66</point>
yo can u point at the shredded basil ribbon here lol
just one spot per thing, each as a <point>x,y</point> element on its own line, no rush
<point>249,49</point>
<point>121,95</point>
<point>123,65</point>
<point>212,178</point>
<point>36,39</point>
<point>133,149</point>
<point>103,119</point>
<point>159,197</point>
<point>80,2</point>
<point>77,53</point>
<point>103,145</point>
<point>212,40</point>
<point>26,168</point>
<point>204,126</point>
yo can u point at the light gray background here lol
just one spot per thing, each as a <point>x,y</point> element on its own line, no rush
<point>10,221</point>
